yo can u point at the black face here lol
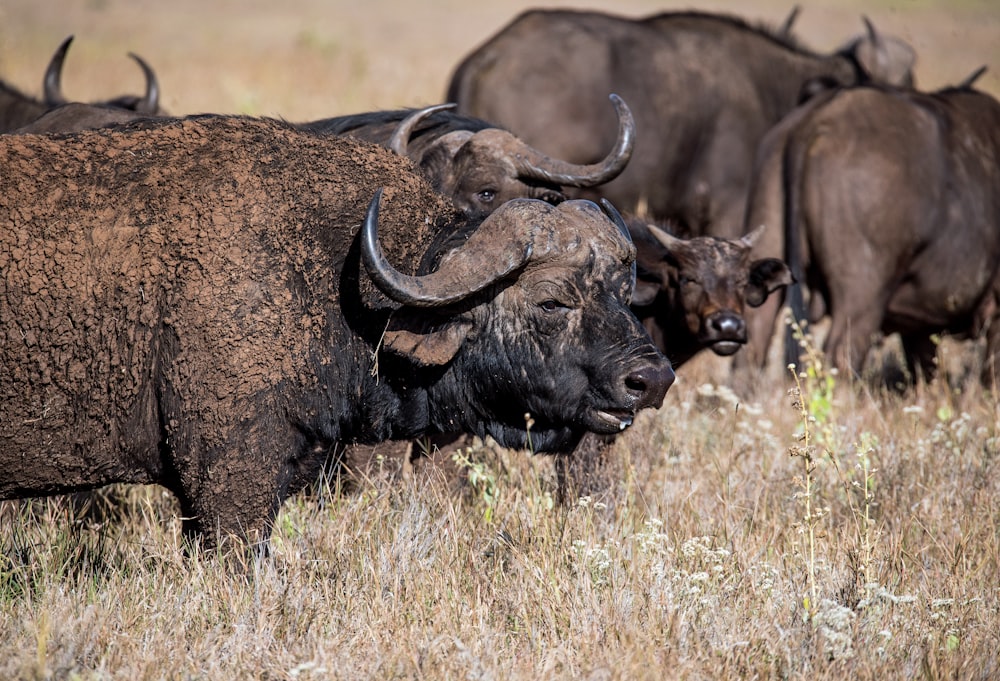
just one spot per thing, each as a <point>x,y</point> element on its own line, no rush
<point>558,353</point>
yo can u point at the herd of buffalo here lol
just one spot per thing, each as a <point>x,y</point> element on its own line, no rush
<point>215,303</point>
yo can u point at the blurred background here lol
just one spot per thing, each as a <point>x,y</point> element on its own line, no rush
<point>308,59</point>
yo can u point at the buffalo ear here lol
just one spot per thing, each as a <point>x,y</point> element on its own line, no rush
<point>645,292</point>
<point>425,338</point>
<point>766,276</point>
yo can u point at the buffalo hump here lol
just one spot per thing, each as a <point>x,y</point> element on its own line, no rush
<point>135,261</point>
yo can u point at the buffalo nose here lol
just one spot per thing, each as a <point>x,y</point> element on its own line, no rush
<point>727,325</point>
<point>649,384</point>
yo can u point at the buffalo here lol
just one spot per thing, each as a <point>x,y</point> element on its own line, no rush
<point>704,88</point>
<point>888,201</point>
<point>214,303</point>
<point>691,293</point>
<point>18,110</point>
<point>477,164</point>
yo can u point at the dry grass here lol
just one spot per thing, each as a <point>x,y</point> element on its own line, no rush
<point>694,557</point>
<point>692,560</point>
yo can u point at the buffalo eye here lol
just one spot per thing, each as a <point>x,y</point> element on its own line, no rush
<point>551,305</point>
<point>486,196</point>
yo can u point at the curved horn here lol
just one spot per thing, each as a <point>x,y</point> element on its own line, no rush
<point>401,137</point>
<point>616,217</point>
<point>53,75</point>
<point>150,103</point>
<point>971,78</point>
<point>872,33</point>
<point>750,238</point>
<point>534,164</point>
<point>463,272</point>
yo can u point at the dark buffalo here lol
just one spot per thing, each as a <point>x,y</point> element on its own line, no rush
<point>18,110</point>
<point>890,204</point>
<point>211,315</point>
<point>690,294</point>
<point>704,89</point>
<point>477,164</point>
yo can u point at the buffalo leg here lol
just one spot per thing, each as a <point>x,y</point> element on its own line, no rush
<point>761,323</point>
<point>921,356</point>
<point>990,373</point>
<point>853,325</point>
<point>239,493</point>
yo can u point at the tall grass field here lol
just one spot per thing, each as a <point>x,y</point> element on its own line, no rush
<point>799,524</point>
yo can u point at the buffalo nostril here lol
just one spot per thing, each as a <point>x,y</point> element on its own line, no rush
<point>650,383</point>
<point>728,325</point>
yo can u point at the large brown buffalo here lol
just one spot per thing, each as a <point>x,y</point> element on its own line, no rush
<point>703,88</point>
<point>18,110</point>
<point>196,303</point>
<point>887,204</point>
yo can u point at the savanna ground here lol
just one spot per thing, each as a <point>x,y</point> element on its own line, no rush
<point>839,531</point>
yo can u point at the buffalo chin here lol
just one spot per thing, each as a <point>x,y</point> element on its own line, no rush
<point>539,440</point>
<point>724,348</point>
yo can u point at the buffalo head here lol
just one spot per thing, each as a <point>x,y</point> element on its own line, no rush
<point>691,292</point>
<point>528,320</point>
<point>482,169</point>
<point>881,58</point>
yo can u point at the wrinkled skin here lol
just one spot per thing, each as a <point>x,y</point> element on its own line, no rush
<point>691,293</point>
<point>703,88</point>
<point>889,201</point>
<point>200,316</point>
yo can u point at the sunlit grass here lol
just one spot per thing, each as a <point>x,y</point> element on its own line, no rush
<point>690,559</point>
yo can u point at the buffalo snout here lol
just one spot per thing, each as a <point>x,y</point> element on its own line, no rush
<point>649,384</point>
<point>725,332</point>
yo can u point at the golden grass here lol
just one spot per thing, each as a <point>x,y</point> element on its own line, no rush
<point>690,557</point>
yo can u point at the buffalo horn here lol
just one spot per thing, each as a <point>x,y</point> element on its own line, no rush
<point>750,238</point>
<point>616,217</point>
<point>150,103</point>
<point>873,35</point>
<point>463,272</point>
<point>669,241</point>
<point>971,78</point>
<point>786,27</point>
<point>536,165</point>
<point>53,75</point>
<point>401,137</point>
